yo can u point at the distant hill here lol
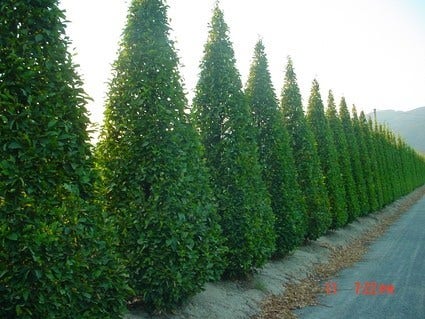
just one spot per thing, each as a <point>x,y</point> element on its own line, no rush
<point>410,125</point>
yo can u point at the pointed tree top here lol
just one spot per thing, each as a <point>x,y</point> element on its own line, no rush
<point>315,90</point>
<point>331,107</point>
<point>362,117</point>
<point>149,13</point>
<point>259,47</point>
<point>259,75</point>
<point>331,99</point>
<point>289,61</point>
<point>315,104</point>
<point>290,75</point>
<point>291,96</point>
<point>259,53</point>
<point>343,105</point>
<point>354,111</point>
<point>344,113</point>
<point>217,20</point>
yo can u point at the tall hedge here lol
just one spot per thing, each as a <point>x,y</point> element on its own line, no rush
<point>226,127</point>
<point>354,151</point>
<point>276,158</point>
<point>155,182</point>
<point>366,162</point>
<point>394,177</point>
<point>328,156</point>
<point>388,172</point>
<point>342,149</point>
<point>383,168</point>
<point>57,255</point>
<point>310,176</point>
<point>367,130</point>
<point>377,156</point>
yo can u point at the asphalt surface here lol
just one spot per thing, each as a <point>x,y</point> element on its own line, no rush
<point>388,283</point>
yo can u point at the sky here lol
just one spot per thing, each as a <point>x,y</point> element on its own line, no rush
<point>370,51</point>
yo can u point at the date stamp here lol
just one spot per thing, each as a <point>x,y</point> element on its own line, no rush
<point>371,288</point>
<point>366,288</point>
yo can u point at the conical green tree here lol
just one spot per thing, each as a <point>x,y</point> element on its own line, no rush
<point>310,176</point>
<point>367,129</point>
<point>56,245</point>
<point>276,156</point>
<point>386,167</point>
<point>226,127</point>
<point>328,156</point>
<point>383,169</point>
<point>365,161</point>
<point>354,151</point>
<point>341,145</point>
<point>392,166</point>
<point>154,178</point>
<point>400,147</point>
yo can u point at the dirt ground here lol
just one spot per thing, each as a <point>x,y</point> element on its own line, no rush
<point>295,281</point>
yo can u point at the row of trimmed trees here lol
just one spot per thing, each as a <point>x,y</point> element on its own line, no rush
<point>171,199</point>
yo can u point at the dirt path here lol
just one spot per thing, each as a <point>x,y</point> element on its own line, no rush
<point>389,282</point>
<point>321,281</point>
<point>294,281</point>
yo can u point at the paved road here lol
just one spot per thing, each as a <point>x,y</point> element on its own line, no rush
<point>388,283</point>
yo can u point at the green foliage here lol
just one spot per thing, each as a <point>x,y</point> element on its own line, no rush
<point>367,131</point>
<point>310,176</point>
<point>354,151</point>
<point>276,156</point>
<point>398,168</point>
<point>414,164</point>
<point>56,257</point>
<point>341,145</point>
<point>383,165</point>
<point>366,163</point>
<point>394,176</point>
<point>155,182</point>
<point>60,256</point>
<point>379,162</point>
<point>225,124</point>
<point>328,157</point>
